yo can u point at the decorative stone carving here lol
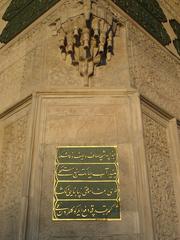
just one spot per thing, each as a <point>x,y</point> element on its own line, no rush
<point>154,71</point>
<point>20,14</point>
<point>149,15</point>
<point>11,176</point>
<point>10,82</point>
<point>163,202</point>
<point>86,38</point>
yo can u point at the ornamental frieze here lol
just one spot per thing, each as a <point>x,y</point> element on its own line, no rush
<point>149,14</point>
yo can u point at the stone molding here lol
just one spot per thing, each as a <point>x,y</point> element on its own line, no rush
<point>162,161</point>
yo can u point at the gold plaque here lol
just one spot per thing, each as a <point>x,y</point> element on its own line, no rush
<point>86,184</point>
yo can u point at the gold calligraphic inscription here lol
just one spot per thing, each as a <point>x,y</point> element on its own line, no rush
<point>86,184</point>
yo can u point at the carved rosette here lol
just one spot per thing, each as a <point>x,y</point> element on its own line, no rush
<point>86,39</point>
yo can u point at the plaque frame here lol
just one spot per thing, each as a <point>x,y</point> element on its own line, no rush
<point>117,182</point>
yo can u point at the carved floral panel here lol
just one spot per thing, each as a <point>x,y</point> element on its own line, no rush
<point>11,176</point>
<point>162,195</point>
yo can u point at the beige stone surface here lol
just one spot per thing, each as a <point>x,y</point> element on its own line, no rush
<point>154,71</point>
<point>62,111</point>
<point>14,147</point>
<point>163,172</point>
<point>89,118</point>
<point>33,59</point>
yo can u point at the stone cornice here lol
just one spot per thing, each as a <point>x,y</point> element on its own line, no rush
<point>51,15</point>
